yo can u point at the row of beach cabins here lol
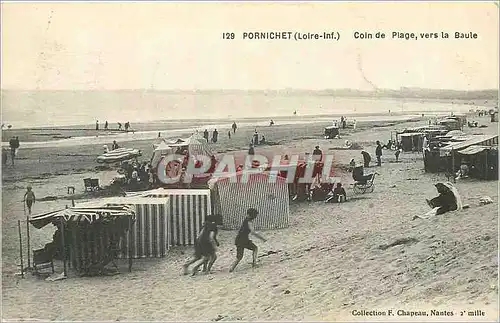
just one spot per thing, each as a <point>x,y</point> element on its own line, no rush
<point>447,149</point>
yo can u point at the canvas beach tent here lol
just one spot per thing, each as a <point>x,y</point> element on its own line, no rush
<point>163,149</point>
<point>195,146</point>
<point>89,236</point>
<point>234,193</point>
<point>149,236</point>
<point>186,211</point>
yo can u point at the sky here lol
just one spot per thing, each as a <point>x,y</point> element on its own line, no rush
<point>167,46</point>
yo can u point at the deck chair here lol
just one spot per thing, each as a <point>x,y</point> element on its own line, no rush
<point>43,259</point>
<point>87,182</point>
<point>363,184</point>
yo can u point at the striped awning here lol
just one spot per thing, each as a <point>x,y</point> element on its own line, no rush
<point>483,140</point>
<point>472,150</point>
<point>78,214</point>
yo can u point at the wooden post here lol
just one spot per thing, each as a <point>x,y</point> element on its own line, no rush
<point>20,247</point>
<point>28,243</point>
<point>63,246</point>
<point>129,244</point>
<point>453,165</point>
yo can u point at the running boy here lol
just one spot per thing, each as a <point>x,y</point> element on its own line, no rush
<point>243,241</point>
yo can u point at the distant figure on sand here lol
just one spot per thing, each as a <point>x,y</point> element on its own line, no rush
<point>366,158</point>
<point>251,150</point>
<point>354,124</point>
<point>255,137</point>
<point>106,125</point>
<point>317,154</point>
<point>119,126</point>
<point>14,145</point>
<point>234,126</point>
<point>271,123</point>
<point>263,140</point>
<point>29,198</point>
<point>215,136</point>
<point>205,134</point>
<point>97,125</point>
<point>378,153</point>
<point>229,134</point>
<point>295,112</point>
<point>127,125</point>
<point>243,241</point>
<point>204,249</point>
<point>5,156</point>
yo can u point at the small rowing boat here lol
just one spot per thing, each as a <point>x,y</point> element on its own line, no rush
<point>118,155</point>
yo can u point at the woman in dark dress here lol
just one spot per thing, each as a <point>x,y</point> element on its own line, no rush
<point>446,200</point>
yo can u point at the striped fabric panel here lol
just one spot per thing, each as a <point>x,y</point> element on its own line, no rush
<point>270,199</point>
<point>186,214</point>
<point>150,232</point>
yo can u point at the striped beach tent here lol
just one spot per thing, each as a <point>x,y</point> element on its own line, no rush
<point>186,212</point>
<point>88,214</point>
<point>150,235</point>
<point>233,194</point>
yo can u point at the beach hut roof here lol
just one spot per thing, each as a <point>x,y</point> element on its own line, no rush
<point>485,140</point>
<point>475,149</point>
<point>78,214</point>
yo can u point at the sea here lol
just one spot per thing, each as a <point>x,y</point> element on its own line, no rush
<point>150,112</point>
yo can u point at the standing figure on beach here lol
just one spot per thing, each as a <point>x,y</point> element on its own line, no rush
<point>229,134</point>
<point>29,198</point>
<point>215,136</point>
<point>366,158</point>
<point>127,125</point>
<point>271,123</point>
<point>106,125</point>
<point>97,125</point>
<point>251,150</point>
<point>378,153</point>
<point>354,124</point>
<point>255,137</point>
<point>14,146</point>
<point>5,157</point>
<point>204,249</point>
<point>119,126</point>
<point>243,241</point>
<point>234,126</point>
<point>205,134</point>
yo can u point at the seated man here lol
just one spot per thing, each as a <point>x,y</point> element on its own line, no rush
<point>358,176</point>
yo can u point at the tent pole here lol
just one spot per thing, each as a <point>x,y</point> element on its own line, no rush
<point>453,165</point>
<point>130,244</point>
<point>63,246</point>
<point>20,247</point>
<point>28,234</point>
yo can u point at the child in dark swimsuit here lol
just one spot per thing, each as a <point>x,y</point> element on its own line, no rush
<point>29,198</point>
<point>204,249</point>
<point>243,241</point>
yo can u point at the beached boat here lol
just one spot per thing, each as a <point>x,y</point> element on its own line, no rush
<point>118,155</point>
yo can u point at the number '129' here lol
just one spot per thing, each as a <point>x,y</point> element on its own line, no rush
<point>227,35</point>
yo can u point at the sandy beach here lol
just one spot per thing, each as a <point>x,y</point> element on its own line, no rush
<point>334,259</point>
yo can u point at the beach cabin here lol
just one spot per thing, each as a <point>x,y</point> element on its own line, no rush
<point>234,194</point>
<point>150,232</point>
<point>185,213</point>
<point>482,161</point>
<point>412,141</point>
<point>89,237</point>
<point>451,151</point>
